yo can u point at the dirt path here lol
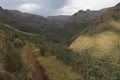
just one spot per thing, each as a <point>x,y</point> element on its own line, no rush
<point>39,72</point>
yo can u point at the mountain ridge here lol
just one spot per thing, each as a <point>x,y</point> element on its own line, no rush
<point>80,21</point>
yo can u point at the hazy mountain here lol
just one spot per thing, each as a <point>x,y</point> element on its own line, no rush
<point>58,20</point>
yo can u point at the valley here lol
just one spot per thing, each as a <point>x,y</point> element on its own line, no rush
<point>82,46</point>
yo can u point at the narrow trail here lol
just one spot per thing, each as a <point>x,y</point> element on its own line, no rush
<point>39,72</point>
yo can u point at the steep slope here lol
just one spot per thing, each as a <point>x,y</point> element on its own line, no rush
<point>108,21</point>
<point>80,20</point>
<point>103,35</point>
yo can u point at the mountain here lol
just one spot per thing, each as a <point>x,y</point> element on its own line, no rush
<point>108,21</point>
<point>54,28</point>
<point>35,24</point>
<point>23,21</point>
<point>30,23</point>
<point>58,20</point>
<point>80,20</point>
<point>102,36</point>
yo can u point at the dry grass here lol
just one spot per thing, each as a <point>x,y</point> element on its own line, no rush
<point>104,41</point>
<point>81,43</point>
<point>115,24</point>
<point>56,70</point>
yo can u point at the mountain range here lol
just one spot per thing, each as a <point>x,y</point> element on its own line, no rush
<point>79,21</point>
<point>51,27</point>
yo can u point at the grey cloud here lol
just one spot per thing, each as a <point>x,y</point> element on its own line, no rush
<point>49,7</point>
<point>54,4</point>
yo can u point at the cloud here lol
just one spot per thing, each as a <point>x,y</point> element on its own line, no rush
<point>73,6</point>
<point>53,4</point>
<point>56,7</point>
<point>28,7</point>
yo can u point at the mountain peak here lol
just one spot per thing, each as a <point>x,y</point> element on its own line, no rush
<point>88,10</point>
<point>1,8</point>
<point>118,4</point>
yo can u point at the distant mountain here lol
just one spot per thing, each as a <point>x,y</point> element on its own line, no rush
<point>80,20</point>
<point>24,21</point>
<point>103,35</point>
<point>55,28</point>
<point>58,20</point>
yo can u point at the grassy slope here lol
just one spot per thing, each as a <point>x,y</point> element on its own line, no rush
<point>103,35</point>
<point>10,31</point>
<point>6,33</point>
<point>57,70</point>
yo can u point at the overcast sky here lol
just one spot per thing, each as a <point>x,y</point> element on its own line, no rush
<point>56,7</point>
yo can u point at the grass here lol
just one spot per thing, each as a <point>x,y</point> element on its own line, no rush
<point>27,69</point>
<point>4,75</point>
<point>56,70</point>
<point>102,44</point>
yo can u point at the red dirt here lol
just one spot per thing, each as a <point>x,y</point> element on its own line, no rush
<point>39,72</point>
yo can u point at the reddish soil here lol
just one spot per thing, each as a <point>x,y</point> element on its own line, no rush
<point>39,72</point>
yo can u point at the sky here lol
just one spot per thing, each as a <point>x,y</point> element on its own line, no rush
<point>56,7</point>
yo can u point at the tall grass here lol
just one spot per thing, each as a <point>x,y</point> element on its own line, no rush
<point>57,70</point>
<point>13,56</point>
